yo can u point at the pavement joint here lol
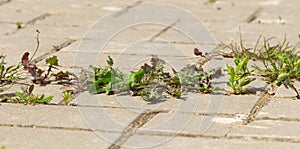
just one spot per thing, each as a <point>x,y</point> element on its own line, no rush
<point>278,119</point>
<point>44,127</point>
<point>54,50</point>
<point>5,2</point>
<point>164,30</point>
<point>30,22</point>
<point>261,102</point>
<point>254,15</point>
<point>127,8</point>
<point>142,119</point>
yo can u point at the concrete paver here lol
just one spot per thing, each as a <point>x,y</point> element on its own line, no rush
<point>36,138</point>
<point>272,130</point>
<point>280,108</point>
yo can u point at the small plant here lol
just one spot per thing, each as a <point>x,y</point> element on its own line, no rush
<point>280,67</point>
<point>67,97</point>
<point>27,97</point>
<point>41,76</point>
<point>19,24</point>
<point>195,79</point>
<point>281,63</point>
<point>239,76</point>
<point>8,74</point>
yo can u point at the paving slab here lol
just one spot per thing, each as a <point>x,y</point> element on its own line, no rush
<point>41,115</point>
<point>36,138</point>
<point>192,103</point>
<point>190,124</point>
<point>280,108</point>
<point>272,130</point>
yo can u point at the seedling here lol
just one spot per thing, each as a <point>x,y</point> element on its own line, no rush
<point>239,76</point>
<point>67,97</point>
<point>27,97</point>
<point>19,24</point>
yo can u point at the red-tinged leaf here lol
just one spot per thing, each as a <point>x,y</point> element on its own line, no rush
<point>25,61</point>
<point>197,52</point>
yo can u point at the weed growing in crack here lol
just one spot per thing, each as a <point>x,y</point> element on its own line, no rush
<point>19,24</point>
<point>27,97</point>
<point>281,63</point>
<point>67,97</point>
<point>239,76</point>
<point>152,81</point>
<point>39,75</point>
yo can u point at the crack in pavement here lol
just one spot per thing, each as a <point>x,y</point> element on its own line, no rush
<point>163,30</point>
<point>254,15</point>
<point>45,127</point>
<point>141,120</point>
<point>262,101</point>
<point>127,8</point>
<point>54,50</point>
<point>31,22</point>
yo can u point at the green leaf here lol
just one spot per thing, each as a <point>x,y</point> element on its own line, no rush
<point>281,77</point>
<point>246,81</point>
<point>21,95</point>
<point>52,61</point>
<point>43,100</point>
<point>110,61</point>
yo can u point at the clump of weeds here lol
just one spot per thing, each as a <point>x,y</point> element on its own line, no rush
<point>27,97</point>
<point>281,62</point>
<point>151,81</point>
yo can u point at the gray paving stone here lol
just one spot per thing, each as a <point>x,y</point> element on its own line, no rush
<point>270,129</point>
<point>35,138</point>
<point>7,27</point>
<point>190,124</point>
<point>283,91</point>
<point>280,108</point>
<point>42,115</point>
<point>192,103</point>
